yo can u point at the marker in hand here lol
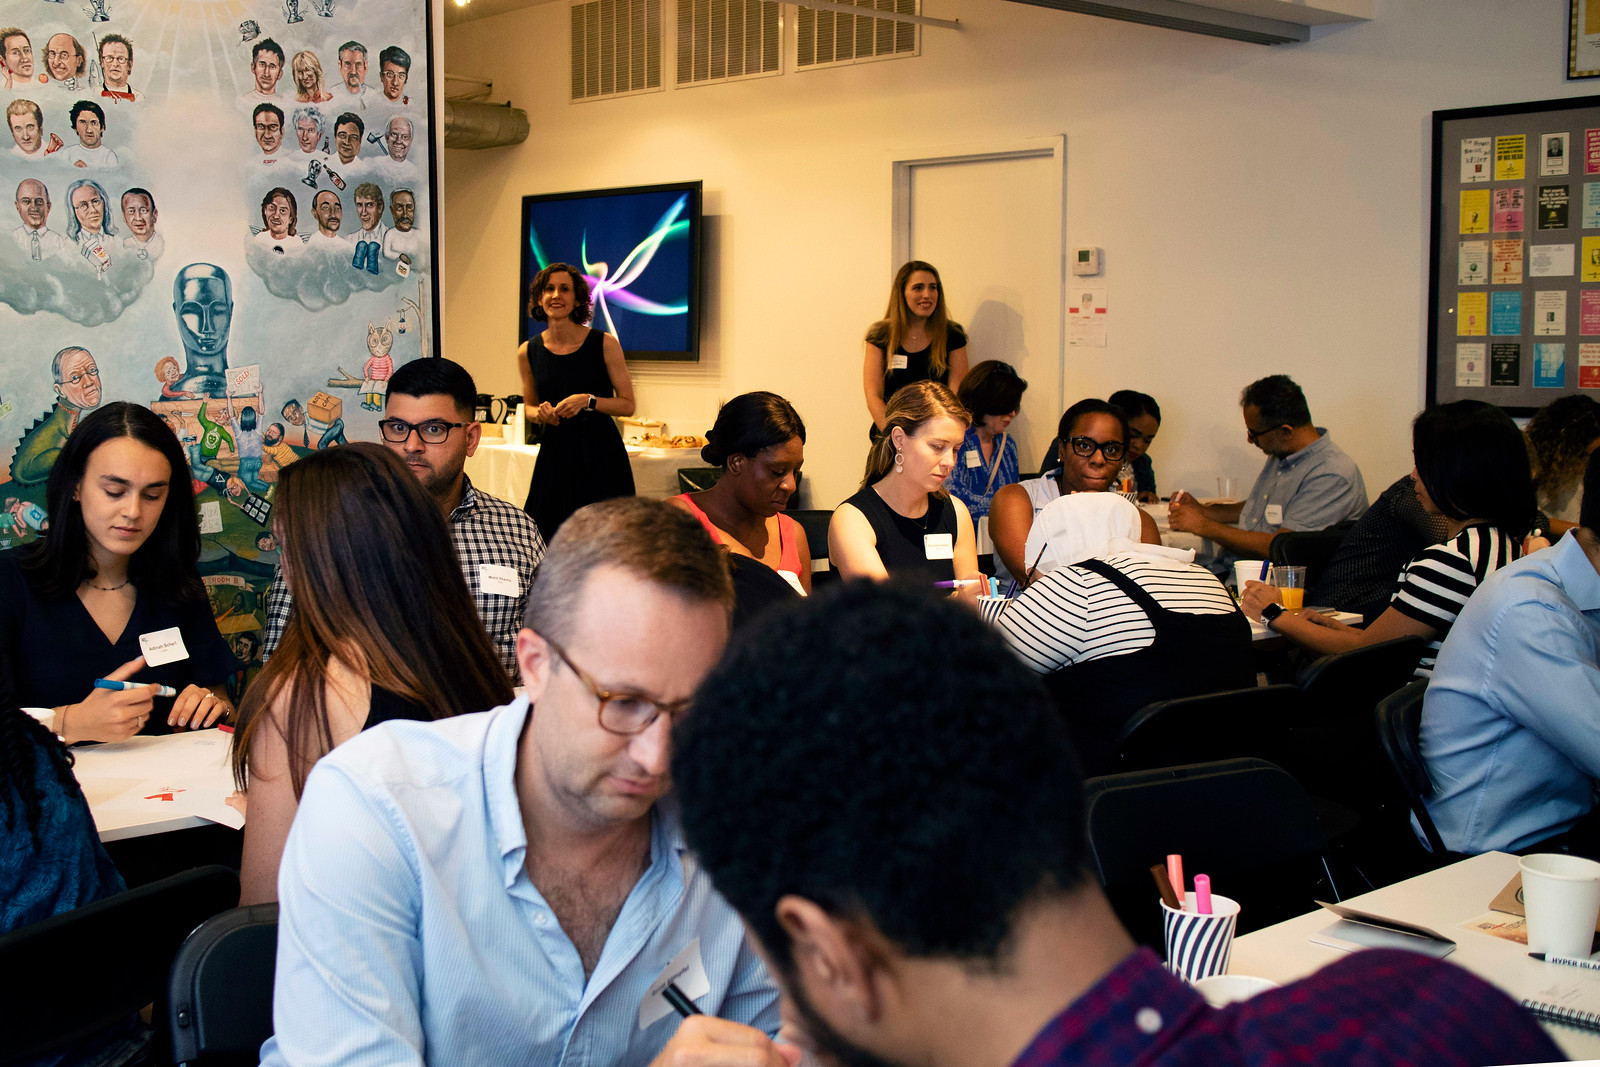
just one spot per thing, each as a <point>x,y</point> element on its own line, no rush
<point>680,1003</point>
<point>161,690</point>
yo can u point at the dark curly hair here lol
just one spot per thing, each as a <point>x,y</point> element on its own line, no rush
<point>582,301</point>
<point>832,757</point>
<point>1559,435</point>
<point>26,747</point>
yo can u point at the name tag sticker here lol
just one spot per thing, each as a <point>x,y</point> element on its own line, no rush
<point>938,546</point>
<point>688,972</point>
<point>974,459</point>
<point>499,579</point>
<point>163,646</point>
<point>897,361</point>
<point>1274,515</point>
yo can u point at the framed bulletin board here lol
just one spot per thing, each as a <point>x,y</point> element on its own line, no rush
<point>1514,276</point>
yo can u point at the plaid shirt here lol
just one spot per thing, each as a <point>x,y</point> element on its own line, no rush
<point>485,529</point>
<point>1372,1008</point>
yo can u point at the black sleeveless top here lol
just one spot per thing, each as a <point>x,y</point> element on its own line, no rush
<point>1191,654</point>
<point>387,705</point>
<point>900,540</point>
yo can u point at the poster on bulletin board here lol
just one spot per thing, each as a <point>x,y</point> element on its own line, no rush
<point>223,212</point>
<point>1514,279</point>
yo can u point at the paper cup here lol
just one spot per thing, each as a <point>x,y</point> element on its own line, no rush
<point>1562,896</point>
<point>1249,570</point>
<point>1198,946</point>
<point>1221,990</point>
<point>992,606</point>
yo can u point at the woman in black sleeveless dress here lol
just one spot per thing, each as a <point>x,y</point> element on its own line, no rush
<point>915,341</point>
<point>574,380</point>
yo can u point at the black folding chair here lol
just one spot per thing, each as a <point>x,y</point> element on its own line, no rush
<point>1311,549</point>
<point>220,992</point>
<point>815,523</point>
<point>1398,718</point>
<point>76,974</point>
<point>1256,721</point>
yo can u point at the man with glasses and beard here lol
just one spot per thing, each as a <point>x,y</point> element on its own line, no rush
<point>428,423</point>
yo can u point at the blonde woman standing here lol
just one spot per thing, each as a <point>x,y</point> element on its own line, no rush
<point>914,341</point>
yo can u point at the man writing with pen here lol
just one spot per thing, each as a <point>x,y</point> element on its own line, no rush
<point>513,887</point>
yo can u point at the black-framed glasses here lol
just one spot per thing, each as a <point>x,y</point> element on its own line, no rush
<point>433,431</point>
<point>1088,446</point>
<point>622,713</point>
<point>92,372</point>
<point>1255,435</point>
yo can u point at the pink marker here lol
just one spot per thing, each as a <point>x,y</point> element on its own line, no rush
<point>1202,894</point>
<point>1175,875</point>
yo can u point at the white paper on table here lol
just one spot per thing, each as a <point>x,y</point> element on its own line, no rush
<point>1550,261</point>
<point>204,797</point>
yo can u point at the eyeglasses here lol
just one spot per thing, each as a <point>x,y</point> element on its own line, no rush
<point>1088,446</point>
<point>622,713</point>
<point>433,431</point>
<point>1255,435</point>
<point>92,372</point>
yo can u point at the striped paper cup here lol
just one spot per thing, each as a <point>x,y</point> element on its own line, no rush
<point>1198,946</point>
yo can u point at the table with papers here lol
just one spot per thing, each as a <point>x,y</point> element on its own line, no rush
<point>153,784</point>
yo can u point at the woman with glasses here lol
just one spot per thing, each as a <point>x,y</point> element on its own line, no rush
<point>1092,443</point>
<point>991,392</point>
<point>117,565</point>
<point>915,341</point>
<point>902,522</point>
<point>383,628</point>
<point>574,380</point>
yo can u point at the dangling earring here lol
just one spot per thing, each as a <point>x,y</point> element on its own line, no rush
<point>899,462</point>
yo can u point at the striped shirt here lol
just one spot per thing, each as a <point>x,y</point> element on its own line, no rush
<point>1434,586</point>
<point>1072,615</point>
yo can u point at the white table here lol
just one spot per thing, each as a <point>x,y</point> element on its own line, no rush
<point>1440,900</point>
<point>149,785</point>
<point>505,470</point>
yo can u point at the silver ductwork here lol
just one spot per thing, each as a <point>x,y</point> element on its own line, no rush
<point>471,124</point>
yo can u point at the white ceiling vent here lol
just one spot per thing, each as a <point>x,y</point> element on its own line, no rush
<point>825,37</point>
<point>616,48</point>
<point>1255,21</point>
<point>719,40</point>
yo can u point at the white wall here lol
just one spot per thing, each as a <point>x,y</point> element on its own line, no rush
<point>1262,209</point>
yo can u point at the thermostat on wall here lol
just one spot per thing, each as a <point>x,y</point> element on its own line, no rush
<point>1085,261</point>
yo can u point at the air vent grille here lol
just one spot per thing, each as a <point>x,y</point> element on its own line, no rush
<point>826,37</point>
<point>616,48</point>
<point>719,40</point>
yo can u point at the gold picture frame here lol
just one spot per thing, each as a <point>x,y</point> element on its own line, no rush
<point>1583,39</point>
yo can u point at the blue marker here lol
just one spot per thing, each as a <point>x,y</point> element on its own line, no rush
<point>161,690</point>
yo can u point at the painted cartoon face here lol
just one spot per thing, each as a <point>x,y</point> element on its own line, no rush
<point>275,213</point>
<point>26,132</point>
<point>89,207</point>
<point>329,212</point>
<point>294,413</point>
<point>347,141</point>
<point>140,215</point>
<point>379,341</point>
<point>33,204</point>
<point>393,76</point>
<point>269,132</point>
<point>353,69</point>
<point>369,211</point>
<point>399,139</point>
<point>80,380</point>
<point>61,57</point>
<point>308,134</point>
<point>267,69</point>
<point>89,128</point>
<point>403,206</point>
<point>117,64</point>
<point>19,55</point>
<point>305,77</point>
<point>205,312</point>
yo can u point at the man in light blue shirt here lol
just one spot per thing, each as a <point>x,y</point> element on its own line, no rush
<point>1511,719</point>
<point>1307,483</point>
<point>511,886</point>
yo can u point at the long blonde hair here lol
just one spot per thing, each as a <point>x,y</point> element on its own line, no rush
<point>888,332</point>
<point>909,408</point>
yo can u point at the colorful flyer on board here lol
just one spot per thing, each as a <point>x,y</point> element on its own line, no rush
<point>1550,313</point>
<point>1469,365</point>
<point>1475,156</point>
<point>1552,154</point>
<point>1472,314</point>
<point>1472,263</point>
<point>1589,313</point>
<point>1508,207</point>
<point>1510,153</point>
<point>1591,151</point>
<point>1505,363</point>
<point>1549,365</point>
<point>1505,314</point>
<point>1553,207</point>
<point>1591,205</point>
<point>1550,261</point>
<point>1590,263</point>
<point>1475,210</point>
<point>1508,262</point>
<point>1589,366</point>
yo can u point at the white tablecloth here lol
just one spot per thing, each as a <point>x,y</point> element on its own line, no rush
<point>505,470</point>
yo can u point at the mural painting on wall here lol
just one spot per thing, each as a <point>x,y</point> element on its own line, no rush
<point>228,221</point>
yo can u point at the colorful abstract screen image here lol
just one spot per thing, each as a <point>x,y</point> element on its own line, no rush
<point>638,248</point>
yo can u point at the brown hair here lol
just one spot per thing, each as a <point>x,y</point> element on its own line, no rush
<point>909,408</point>
<point>650,539</point>
<point>888,332</point>
<point>582,302</point>
<point>377,587</point>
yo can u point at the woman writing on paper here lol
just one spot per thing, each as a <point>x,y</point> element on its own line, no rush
<point>915,341</point>
<point>112,591</point>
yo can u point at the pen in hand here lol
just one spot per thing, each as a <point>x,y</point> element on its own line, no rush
<point>161,690</point>
<point>680,1003</point>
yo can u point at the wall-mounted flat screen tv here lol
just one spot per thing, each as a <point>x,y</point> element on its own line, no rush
<point>639,250</point>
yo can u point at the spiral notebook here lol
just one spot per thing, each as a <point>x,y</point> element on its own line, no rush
<point>1575,1003</point>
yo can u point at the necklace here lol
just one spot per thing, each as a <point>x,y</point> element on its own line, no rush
<point>107,588</point>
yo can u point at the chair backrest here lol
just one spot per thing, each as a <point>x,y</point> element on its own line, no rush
<point>74,974</point>
<point>815,523</point>
<point>697,479</point>
<point>1350,684</point>
<point>220,992</point>
<point>1311,549</point>
<point>1399,723</point>
<point>1256,721</point>
<point>1245,822</point>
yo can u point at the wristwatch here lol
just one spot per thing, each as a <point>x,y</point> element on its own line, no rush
<point>1270,613</point>
<point>592,400</point>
